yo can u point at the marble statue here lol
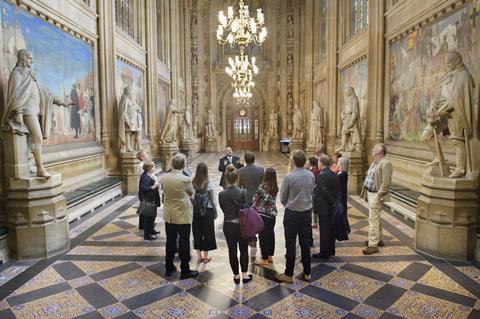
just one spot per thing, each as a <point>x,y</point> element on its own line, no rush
<point>351,140</point>
<point>316,132</point>
<point>210,125</point>
<point>29,108</point>
<point>273,124</point>
<point>186,126</point>
<point>453,108</point>
<point>169,131</point>
<point>297,133</point>
<point>129,123</point>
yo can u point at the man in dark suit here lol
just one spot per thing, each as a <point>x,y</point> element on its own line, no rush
<point>228,159</point>
<point>250,176</point>
<point>326,192</point>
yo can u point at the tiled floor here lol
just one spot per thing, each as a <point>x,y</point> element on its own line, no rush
<point>111,272</point>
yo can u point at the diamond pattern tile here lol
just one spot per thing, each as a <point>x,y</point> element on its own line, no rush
<point>112,272</point>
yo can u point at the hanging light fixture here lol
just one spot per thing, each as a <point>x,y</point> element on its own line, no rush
<point>242,29</point>
<point>242,70</point>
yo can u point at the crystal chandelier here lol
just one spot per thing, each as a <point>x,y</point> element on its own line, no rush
<point>242,29</point>
<point>241,70</point>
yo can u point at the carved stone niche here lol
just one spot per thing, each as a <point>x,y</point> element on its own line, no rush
<point>446,220</point>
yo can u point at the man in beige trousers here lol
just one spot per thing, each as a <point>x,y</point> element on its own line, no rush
<point>375,190</point>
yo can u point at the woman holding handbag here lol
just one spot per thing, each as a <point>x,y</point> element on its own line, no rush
<point>231,200</point>
<point>204,214</point>
<point>149,200</point>
<point>265,199</point>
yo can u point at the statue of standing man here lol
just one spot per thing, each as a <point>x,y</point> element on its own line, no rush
<point>169,131</point>
<point>297,133</point>
<point>273,124</point>
<point>452,108</point>
<point>29,108</point>
<point>130,122</point>
<point>316,125</point>
<point>210,128</point>
<point>350,116</point>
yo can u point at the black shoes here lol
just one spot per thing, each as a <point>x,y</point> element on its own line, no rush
<point>168,273</point>
<point>150,237</point>
<point>248,279</point>
<point>191,274</point>
<point>155,232</point>
<point>236,280</point>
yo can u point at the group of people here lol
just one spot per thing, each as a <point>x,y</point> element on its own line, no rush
<point>315,186</point>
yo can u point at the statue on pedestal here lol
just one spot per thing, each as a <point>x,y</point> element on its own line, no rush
<point>351,140</point>
<point>316,125</point>
<point>452,109</point>
<point>297,133</point>
<point>210,125</point>
<point>129,123</point>
<point>273,124</point>
<point>186,126</point>
<point>169,131</point>
<point>29,108</point>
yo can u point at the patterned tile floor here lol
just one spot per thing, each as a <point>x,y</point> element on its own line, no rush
<point>110,272</point>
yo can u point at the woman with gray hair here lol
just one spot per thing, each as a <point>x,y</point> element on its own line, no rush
<point>343,176</point>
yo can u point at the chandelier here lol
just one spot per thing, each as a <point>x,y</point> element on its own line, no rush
<point>241,70</point>
<point>242,30</point>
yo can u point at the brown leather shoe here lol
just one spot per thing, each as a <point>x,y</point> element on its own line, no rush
<point>380,243</point>
<point>369,250</point>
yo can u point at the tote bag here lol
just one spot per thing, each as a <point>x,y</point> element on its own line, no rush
<point>251,223</point>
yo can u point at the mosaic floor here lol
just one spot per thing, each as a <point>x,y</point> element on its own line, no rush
<point>111,272</point>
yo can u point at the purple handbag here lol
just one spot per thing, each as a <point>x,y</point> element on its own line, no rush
<point>251,223</point>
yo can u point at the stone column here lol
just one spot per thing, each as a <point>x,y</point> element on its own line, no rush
<point>106,67</point>
<point>376,72</point>
<point>35,209</point>
<point>152,127</point>
<point>332,60</point>
<point>447,212</point>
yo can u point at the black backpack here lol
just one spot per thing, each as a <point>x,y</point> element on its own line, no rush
<point>202,205</point>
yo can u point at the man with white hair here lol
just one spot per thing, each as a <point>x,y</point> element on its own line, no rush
<point>177,212</point>
<point>376,190</point>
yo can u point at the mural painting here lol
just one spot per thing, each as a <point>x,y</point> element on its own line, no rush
<point>61,62</point>
<point>417,62</point>
<point>127,75</point>
<point>356,76</point>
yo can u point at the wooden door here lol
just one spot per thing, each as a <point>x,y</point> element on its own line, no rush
<point>242,128</point>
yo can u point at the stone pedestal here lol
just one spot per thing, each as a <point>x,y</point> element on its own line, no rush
<point>3,245</point>
<point>274,144</point>
<point>36,217</point>
<point>188,145</point>
<point>356,171</point>
<point>167,150</point>
<point>310,148</point>
<point>296,145</point>
<point>35,209</point>
<point>128,165</point>
<point>211,145</point>
<point>447,212</point>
